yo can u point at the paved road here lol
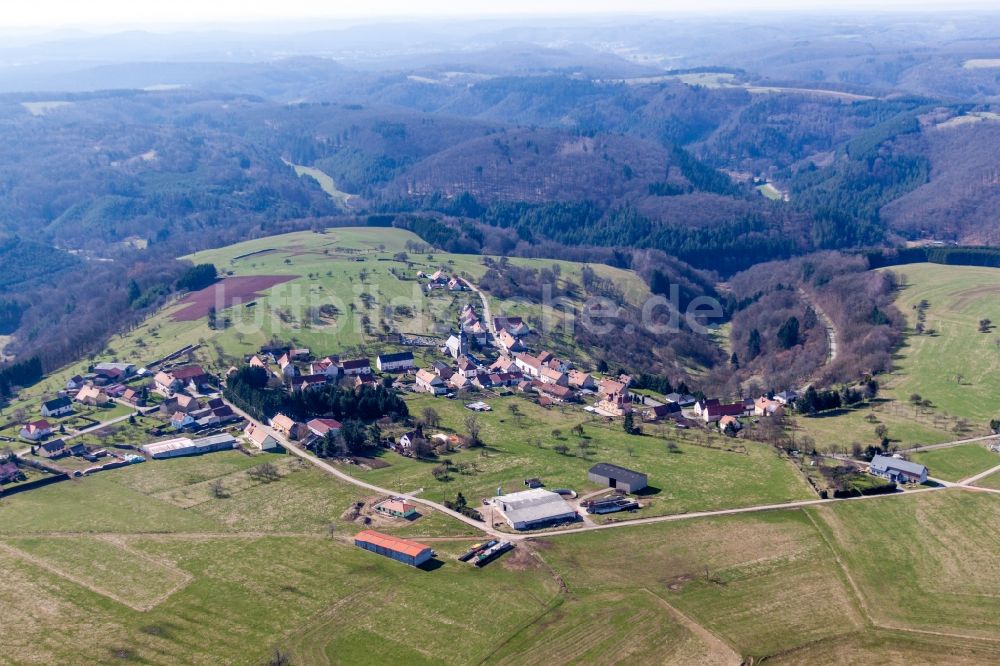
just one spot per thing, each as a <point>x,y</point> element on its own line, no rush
<point>721,512</point>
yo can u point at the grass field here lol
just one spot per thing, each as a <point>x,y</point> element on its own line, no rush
<point>612,627</point>
<point>841,428</point>
<point>151,568</point>
<point>325,182</point>
<point>111,569</point>
<point>762,583</point>
<point>691,478</point>
<point>957,462</point>
<point>929,365</point>
<point>991,481</point>
<point>926,561</point>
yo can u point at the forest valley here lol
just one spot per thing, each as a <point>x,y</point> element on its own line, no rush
<point>99,196</point>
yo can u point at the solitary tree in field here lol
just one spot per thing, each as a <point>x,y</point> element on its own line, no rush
<point>474,430</point>
<point>431,417</point>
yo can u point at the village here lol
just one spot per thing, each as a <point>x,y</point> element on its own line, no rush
<point>118,414</point>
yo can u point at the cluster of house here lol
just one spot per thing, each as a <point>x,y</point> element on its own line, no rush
<point>727,415</point>
<point>190,413</point>
<point>306,433</point>
<point>301,372</point>
<point>552,378</point>
<point>103,382</point>
<point>441,280</point>
<point>511,332</point>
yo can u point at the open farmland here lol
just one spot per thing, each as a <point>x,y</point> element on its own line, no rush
<point>148,574</point>
<point>689,477</point>
<point>762,584</point>
<point>956,367</point>
<point>925,561</point>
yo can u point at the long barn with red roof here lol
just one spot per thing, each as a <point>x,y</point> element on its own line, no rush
<point>401,550</point>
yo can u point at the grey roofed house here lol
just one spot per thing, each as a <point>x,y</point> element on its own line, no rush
<point>786,397</point>
<point>57,406</point>
<point>897,469</point>
<point>617,477</point>
<point>683,400</point>
<point>395,357</point>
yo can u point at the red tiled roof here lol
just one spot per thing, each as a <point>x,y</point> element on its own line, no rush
<point>187,372</point>
<point>404,546</point>
<point>324,425</point>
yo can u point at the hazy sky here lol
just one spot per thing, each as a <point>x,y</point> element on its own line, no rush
<point>54,13</point>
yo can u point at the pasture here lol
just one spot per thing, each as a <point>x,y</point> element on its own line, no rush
<point>690,476</point>
<point>957,462</point>
<point>925,561</point>
<point>762,583</point>
<point>956,366</point>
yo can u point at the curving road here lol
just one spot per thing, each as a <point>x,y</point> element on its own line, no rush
<point>330,469</point>
<point>487,529</point>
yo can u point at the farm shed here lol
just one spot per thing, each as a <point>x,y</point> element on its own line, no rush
<point>401,550</point>
<point>221,442</point>
<point>614,476</point>
<point>533,508</point>
<point>171,448</point>
<point>896,469</point>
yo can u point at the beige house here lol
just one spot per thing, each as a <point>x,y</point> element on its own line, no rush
<point>91,395</point>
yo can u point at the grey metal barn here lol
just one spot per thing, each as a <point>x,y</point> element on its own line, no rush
<point>614,476</point>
